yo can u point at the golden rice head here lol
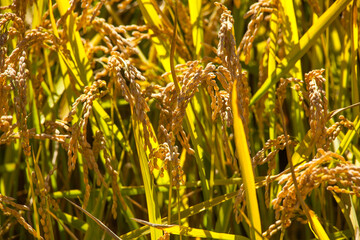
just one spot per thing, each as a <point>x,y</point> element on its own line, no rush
<point>257,12</point>
<point>167,152</point>
<point>99,144</point>
<point>327,168</point>
<point>334,130</point>
<point>239,204</point>
<point>230,61</point>
<point>318,105</point>
<point>126,77</point>
<point>261,157</point>
<point>9,208</point>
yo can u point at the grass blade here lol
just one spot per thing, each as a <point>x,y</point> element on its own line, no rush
<point>80,67</point>
<point>348,209</point>
<point>151,17</point>
<point>98,222</point>
<point>246,168</point>
<point>317,227</point>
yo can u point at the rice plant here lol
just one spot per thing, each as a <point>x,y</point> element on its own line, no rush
<point>179,119</point>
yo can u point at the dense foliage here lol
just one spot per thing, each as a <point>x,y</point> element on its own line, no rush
<point>179,119</point>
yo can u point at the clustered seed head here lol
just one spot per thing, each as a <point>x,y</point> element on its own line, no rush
<point>278,144</point>
<point>123,73</point>
<point>42,191</point>
<point>257,12</point>
<point>318,105</point>
<point>100,145</point>
<point>239,204</point>
<point>115,39</point>
<point>173,105</point>
<point>316,172</point>
<point>5,123</point>
<point>20,100</point>
<point>167,152</point>
<point>226,46</point>
<point>318,112</point>
<point>333,131</point>
<point>31,37</point>
<point>5,207</point>
<point>18,26</point>
<point>87,9</point>
<point>190,81</point>
<point>6,118</point>
<point>78,140</point>
<point>166,236</point>
<point>231,65</point>
<point>327,168</point>
<point>281,89</point>
<point>79,129</point>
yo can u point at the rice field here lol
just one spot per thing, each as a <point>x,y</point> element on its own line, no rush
<point>179,119</point>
